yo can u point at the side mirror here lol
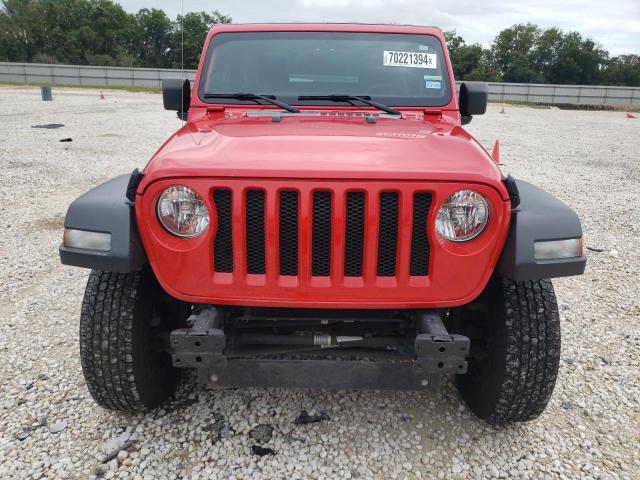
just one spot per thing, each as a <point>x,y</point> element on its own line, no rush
<point>176,96</point>
<point>472,100</point>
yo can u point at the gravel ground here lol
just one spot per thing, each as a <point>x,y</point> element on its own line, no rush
<point>50,428</point>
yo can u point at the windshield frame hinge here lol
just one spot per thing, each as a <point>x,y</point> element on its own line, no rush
<point>433,113</point>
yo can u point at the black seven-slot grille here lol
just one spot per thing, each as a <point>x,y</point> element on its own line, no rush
<point>322,236</point>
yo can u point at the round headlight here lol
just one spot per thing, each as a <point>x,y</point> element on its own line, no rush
<point>462,216</point>
<point>182,212</point>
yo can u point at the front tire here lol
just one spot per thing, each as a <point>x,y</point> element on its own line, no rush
<point>514,329</point>
<point>124,361</point>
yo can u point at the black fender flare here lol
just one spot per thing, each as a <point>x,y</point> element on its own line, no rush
<point>107,208</point>
<point>537,216</point>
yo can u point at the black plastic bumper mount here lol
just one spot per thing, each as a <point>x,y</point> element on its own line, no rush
<point>206,348</point>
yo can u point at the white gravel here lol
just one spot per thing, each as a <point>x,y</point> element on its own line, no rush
<point>50,427</point>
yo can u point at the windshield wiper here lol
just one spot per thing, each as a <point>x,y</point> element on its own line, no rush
<point>347,98</point>
<point>252,96</point>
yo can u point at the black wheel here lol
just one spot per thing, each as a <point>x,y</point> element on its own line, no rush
<point>514,329</point>
<point>124,324</point>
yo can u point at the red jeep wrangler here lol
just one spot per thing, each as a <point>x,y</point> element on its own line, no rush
<point>323,220</point>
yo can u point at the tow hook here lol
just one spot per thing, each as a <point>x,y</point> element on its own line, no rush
<point>436,349</point>
<point>201,345</point>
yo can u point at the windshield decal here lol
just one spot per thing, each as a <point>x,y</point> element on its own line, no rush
<point>433,82</point>
<point>393,58</point>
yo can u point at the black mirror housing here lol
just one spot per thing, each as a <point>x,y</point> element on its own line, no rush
<point>176,95</point>
<point>472,100</point>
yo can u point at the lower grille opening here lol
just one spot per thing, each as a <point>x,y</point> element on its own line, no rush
<point>388,234</point>
<point>223,244</point>
<point>288,228</point>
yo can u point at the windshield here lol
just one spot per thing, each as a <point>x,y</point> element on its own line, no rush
<point>394,69</point>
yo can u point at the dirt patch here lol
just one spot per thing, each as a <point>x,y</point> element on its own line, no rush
<point>51,223</point>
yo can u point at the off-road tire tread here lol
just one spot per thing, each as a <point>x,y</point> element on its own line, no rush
<point>524,326</point>
<point>532,351</point>
<point>107,322</point>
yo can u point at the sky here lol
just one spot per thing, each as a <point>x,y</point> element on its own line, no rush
<point>614,24</point>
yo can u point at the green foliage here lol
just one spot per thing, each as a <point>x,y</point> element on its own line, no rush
<point>194,29</point>
<point>623,70</point>
<point>151,38</point>
<point>470,62</point>
<point>512,53</point>
<point>99,32</point>
<point>527,54</point>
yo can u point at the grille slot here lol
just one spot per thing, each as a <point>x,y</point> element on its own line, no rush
<point>223,244</point>
<point>354,234</point>
<point>321,234</point>
<point>388,234</point>
<point>419,242</point>
<point>255,232</point>
<point>288,237</point>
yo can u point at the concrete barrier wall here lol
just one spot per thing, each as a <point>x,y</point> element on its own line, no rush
<point>34,73</point>
<point>564,94</point>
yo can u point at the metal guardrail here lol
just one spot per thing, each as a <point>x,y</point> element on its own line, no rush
<point>43,74</point>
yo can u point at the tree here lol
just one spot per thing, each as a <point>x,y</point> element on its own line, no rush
<point>524,53</point>
<point>622,70</point>
<point>513,51</point>
<point>484,71</point>
<point>576,61</point>
<point>587,55</point>
<point>99,32</point>
<point>546,54</point>
<point>13,44</point>
<point>68,30</point>
<point>454,41</point>
<point>19,21</point>
<point>470,62</point>
<point>189,35</point>
<point>151,40</point>
<point>107,27</point>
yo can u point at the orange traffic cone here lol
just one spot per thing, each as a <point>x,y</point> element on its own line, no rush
<point>102,97</point>
<point>496,152</point>
<point>630,115</point>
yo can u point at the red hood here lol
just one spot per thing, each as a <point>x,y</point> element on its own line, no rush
<point>324,147</point>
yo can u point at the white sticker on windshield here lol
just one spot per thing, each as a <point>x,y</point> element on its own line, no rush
<point>433,82</point>
<point>394,58</point>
